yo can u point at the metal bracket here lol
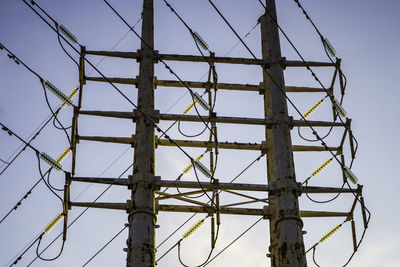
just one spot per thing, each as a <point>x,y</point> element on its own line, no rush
<point>276,119</point>
<point>155,55</point>
<point>281,185</point>
<point>155,118</point>
<point>149,180</point>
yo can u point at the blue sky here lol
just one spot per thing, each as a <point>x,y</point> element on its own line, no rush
<point>365,35</point>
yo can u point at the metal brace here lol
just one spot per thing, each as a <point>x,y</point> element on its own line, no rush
<point>279,185</point>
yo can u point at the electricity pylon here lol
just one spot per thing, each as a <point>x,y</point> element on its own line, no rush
<point>286,235</point>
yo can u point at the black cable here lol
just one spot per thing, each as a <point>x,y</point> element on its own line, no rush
<point>313,257</point>
<point>65,51</point>
<point>281,90</point>
<point>55,115</point>
<point>47,120</point>
<point>306,64</point>
<point>115,87</point>
<point>19,257</point>
<point>192,216</point>
<point>103,247</point>
<point>209,254</point>
<point>48,259</point>
<point>16,206</point>
<point>236,239</point>
<point>48,186</point>
<point>83,212</point>
<point>314,140</point>
<point>324,201</point>
<point>12,133</point>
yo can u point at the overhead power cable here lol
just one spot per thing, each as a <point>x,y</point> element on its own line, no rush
<point>44,123</point>
<point>331,97</point>
<point>234,241</point>
<point>80,214</point>
<point>103,247</point>
<point>194,214</point>
<point>115,87</point>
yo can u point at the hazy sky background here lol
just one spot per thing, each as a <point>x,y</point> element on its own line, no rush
<point>366,37</point>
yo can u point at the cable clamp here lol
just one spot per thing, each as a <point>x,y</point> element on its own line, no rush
<point>276,119</point>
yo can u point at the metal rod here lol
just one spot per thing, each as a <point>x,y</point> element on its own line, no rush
<point>192,84</point>
<point>229,60</point>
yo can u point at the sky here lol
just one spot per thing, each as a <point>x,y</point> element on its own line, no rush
<point>365,35</point>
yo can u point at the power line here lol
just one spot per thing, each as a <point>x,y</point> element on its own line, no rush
<point>236,239</point>
<point>40,127</point>
<point>103,247</point>
<point>83,212</point>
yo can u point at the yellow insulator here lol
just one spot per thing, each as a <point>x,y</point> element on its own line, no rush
<point>190,166</point>
<point>313,108</point>
<point>53,223</point>
<point>193,228</point>
<point>339,108</point>
<point>63,155</point>
<point>330,233</point>
<point>320,168</point>
<point>329,47</point>
<point>350,175</point>
<point>203,168</point>
<point>189,108</point>
<point>71,96</point>
<point>51,161</point>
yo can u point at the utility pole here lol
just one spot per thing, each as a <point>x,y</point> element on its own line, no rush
<point>286,235</point>
<point>287,246</point>
<point>142,218</point>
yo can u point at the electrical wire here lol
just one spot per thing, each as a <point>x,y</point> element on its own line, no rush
<point>83,212</point>
<point>236,239</point>
<point>194,214</point>
<point>40,127</point>
<point>20,254</point>
<point>62,46</point>
<point>55,115</point>
<point>103,247</point>
<point>314,140</point>
<point>307,66</point>
<point>112,84</point>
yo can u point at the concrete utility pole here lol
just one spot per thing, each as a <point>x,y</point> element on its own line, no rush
<point>142,218</point>
<point>287,246</point>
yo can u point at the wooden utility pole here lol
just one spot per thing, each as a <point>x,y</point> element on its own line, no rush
<point>287,246</point>
<point>142,216</point>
